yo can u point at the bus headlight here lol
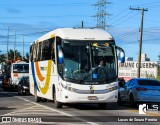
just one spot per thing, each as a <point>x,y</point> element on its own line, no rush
<point>68,88</point>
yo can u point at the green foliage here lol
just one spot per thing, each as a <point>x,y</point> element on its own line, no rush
<point>27,56</point>
<point>150,76</point>
<point>158,77</point>
<point>2,58</point>
<point>11,54</point>
<point>26,59</point>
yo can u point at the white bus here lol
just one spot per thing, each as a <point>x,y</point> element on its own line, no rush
<point>18,70</point>
<point>14,71</point>
<point>64,67</point>
<point>1,69</point>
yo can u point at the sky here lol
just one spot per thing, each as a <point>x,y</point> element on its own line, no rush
<point>33,18</point>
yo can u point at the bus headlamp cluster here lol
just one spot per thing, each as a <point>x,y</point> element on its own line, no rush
<point>69,88</point>
<point>107,90</point>
<point>113,88</point>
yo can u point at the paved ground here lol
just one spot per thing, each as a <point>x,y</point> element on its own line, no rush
<point>23,110</point>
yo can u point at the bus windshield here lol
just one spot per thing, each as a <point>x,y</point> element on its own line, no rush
<point>82,60</point>
<point>20,68</point>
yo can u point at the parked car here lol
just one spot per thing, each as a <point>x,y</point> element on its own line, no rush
<point>138,90</point>
<point>6,82</point>
<point>1,79</point>
<point>23,85</point>
<point>121,82</point>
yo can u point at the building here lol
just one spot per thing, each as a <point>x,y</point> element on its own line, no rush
<point>129,69</point>
<point>128,58</point>
<point>144,57</point>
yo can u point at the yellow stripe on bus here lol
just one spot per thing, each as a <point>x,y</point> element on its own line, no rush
<point>46,86</point>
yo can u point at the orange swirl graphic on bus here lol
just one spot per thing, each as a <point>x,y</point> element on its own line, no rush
<point>47,78</point>
<point>40,77</point>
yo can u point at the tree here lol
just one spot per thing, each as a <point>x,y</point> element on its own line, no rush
<point>158,77</point>
<point>2,58</point>
<point>11,54</point>
<point>26,58</point>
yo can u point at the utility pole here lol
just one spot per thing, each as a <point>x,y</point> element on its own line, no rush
<point>7,41</point>
<point>15,46</point>
<point>140,42</point>
<point>23,48</point>
<point>101,13</point>
<point>82,24</point>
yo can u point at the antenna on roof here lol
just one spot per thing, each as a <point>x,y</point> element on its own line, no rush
<point>82,24</point>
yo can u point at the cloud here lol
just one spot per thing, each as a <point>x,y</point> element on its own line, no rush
<point>13,11</point>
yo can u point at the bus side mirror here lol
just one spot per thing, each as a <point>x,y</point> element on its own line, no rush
<point>122,54</point>
<point>60,54</point>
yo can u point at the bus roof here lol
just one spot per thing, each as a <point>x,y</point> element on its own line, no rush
<point>77,34</point>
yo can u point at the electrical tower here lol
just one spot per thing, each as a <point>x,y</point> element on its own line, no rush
<point>101,13</point>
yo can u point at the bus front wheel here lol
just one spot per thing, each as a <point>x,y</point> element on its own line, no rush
<point>57,103</point>
<point>37,99</point>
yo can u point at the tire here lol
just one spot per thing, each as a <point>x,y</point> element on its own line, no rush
<point>132,102</point>
<point>37,99</point>
<point>11,88</point>
<point>4,88</point>
<point>18,92</point>
<point>119,100</point>
<point>102,105</point>
<point>44,100</point>
<point>21,91</point>
<point>58,104</point>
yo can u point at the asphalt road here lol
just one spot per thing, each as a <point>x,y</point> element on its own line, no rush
<point>21,110</point>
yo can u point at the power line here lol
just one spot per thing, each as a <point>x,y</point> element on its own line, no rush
<point>129,34</point>
<point>123,21</point>
<point>29,34</point>
<point>117,15</point>
<point>121,18</point>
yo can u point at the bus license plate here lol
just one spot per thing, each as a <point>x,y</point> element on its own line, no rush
<point>92,98</point>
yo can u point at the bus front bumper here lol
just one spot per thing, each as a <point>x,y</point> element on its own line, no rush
<point>71,97</point>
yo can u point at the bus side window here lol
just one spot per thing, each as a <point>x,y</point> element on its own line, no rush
<point>52,50</point>
<point>31,53</point>
<point>49,49</point>
<point>39,51</point>
<point>37,56</point>
<point>34,52</point>
<point>44,50</point>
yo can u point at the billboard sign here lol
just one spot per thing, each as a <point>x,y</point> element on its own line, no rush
<point>128,69</point>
